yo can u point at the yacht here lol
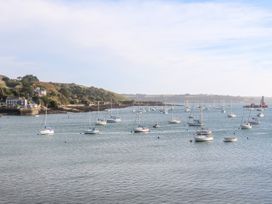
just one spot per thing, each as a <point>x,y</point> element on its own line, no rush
<point>141,129</point>
<point>203,138</point>
<point>173,120</point>
<point>195,123</point>
<point>91,131</point>
<point>156,125</point>
<point>254,121</point>
<point>260,115</point>
<point>46,130</point>
<point>99,121</point>
<point>230,139</point>
<point>114,119</point>
<point>204,131</point>
<point>231,115</point>
<point>246,125</point>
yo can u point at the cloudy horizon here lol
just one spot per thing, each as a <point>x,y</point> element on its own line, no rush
<point>151,47</point>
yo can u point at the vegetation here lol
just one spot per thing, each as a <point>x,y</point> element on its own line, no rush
<point>57,93</point>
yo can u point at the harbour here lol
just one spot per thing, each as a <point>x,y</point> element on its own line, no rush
<point>160,166</point>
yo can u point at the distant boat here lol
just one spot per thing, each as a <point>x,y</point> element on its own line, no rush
<point>203,138</point>
<point>140,128</point>
<point>204,131</point>
<point>92,131</point>
<point>197,122</point>
<point>46,130</point>
<point>100,121</point>
<point>113,118</point>
<point>261,105</point>
<point>230,139</point>
<point>156,125</point>
<point>173,120</point>
<point>260,115</point>
<point>231,115</point>
<point>203,135</point>
<point>246,125</point>
<point>254,121</point>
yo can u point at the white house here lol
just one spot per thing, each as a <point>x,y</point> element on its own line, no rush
<point>16,101</point>
<point>40,91</point>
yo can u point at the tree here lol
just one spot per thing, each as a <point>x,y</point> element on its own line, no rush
<point>29,80</point>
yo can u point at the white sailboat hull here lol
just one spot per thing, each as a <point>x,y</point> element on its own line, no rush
<point>203,138</point>
<point>101,122</point>
<point>246,126</point>
<point>141,130</point>
<point>114,120</point>
<point>174,121</point>
<point>47,131</point>
<point>230,139</point>
<point>91,131</point>
<point>231,115</point>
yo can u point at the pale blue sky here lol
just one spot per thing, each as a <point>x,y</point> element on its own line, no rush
<point>174,47</point>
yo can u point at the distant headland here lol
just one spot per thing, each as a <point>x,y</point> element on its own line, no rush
<point>28,95</point>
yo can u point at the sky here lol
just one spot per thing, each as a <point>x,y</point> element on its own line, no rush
<point>137,46</point>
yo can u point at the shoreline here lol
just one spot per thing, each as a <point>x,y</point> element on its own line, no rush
<point>77,108</point>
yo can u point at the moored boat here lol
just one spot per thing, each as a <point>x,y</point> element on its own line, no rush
<point>141,129</point>
<point>92,131</point>
<point>203,138</point>
<point>230,139</point>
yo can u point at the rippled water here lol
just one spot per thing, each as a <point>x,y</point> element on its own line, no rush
<point>120,167</point>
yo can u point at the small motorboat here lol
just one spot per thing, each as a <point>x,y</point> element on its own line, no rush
<point>203,131</point>
<point>203,138</point>
<point>230,139</point>
<point>246,125</point>
<point>114,119</point>
<point>254,121</point>
<point>174,121</point>
<point>260,115</point>
<point>231,115</point>
<point>92,131</point>
<point>156,125</point>
<point>195,123</point>
<point>101,122</point>
<point>141,129</point>
<point>47,131</point>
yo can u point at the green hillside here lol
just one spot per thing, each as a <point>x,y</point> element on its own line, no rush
<point>57,93</point>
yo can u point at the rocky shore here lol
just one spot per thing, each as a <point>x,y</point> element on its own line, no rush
<point>76,108</point>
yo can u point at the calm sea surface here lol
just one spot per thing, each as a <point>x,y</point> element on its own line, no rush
<point>120,167</point>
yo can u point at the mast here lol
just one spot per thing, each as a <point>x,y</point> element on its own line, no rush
<point>45,118</point>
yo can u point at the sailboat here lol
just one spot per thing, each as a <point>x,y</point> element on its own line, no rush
<point>246,124</point>
<point>46,130</point>
<point>99,121</point>
<point>203,134</point>
<point>260,115</point>
<point>230,139</point>
<point>173,120</point>
<point>231,114</point>
<point>140,128</point>
<point>113,118</point>
<point>91,130</point>
<point>197,122</point>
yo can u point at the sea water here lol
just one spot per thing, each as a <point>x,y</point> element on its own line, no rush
<point>118,166</point>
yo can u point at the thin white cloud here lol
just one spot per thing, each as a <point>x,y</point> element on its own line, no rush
<point>166,39</point>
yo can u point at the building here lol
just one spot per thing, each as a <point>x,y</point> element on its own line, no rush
<point>12,102</point>
<point>40,92</point>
